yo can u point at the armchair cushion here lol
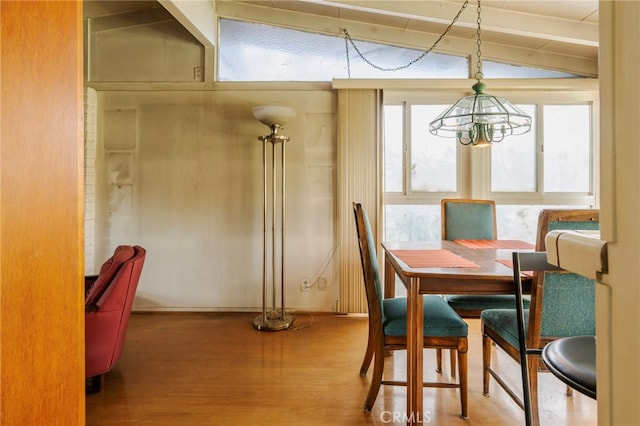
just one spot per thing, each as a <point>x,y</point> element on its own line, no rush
<point>107,272</point>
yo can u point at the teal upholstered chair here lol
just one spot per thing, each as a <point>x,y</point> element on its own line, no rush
<point>465,219</point>
<point>443,327</point>
<point>562,305</point>
<point>472,220</point>
<point>571,359</point>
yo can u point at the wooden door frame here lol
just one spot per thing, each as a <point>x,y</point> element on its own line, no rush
<point>41,213</point>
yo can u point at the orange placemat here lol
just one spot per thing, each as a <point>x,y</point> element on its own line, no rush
<point>495,244</point>
<point>509,263</point>
<point>433,259</point>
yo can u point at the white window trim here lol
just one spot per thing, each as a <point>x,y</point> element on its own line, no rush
<point>474,164</point>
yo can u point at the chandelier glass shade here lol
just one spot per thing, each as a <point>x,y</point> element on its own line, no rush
<point>481,119</point>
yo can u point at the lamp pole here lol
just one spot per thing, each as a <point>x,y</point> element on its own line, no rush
<point>273,319</point>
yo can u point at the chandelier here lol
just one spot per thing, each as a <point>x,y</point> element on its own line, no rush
<point>480,119</point>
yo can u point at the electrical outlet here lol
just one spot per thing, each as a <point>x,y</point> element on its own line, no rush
<point>305,284</point>
<point>197,73</point>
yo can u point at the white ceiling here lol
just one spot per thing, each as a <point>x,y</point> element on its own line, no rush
<point>559,26</point>
<point>562,27</point>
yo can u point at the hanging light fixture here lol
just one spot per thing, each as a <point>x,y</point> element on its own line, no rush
<point>480,119</point>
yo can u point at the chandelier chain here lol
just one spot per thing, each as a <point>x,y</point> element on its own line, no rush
<point>479,74</point>
<point>480,119</point>
<point>346,48</point>
<point>349,40</point>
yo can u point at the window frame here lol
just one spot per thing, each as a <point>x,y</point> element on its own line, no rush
<point>407,196</point>
<point>474,164</point>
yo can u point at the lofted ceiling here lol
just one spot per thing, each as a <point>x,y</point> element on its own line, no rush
<point>567,28</point>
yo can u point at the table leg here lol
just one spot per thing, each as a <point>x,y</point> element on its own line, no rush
<point>415,308</point>
<point>389,279</point>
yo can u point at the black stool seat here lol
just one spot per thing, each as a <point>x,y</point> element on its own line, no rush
<point>573,361</point>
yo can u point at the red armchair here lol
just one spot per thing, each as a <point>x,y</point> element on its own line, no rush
<point>108,301</point>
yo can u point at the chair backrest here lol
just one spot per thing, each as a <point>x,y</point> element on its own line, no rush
<point>107,273</point>
<point>122,291</point>
<point>562,303</point>
<point>370,269</point>
<point>565,219</point>
<point>464,219</point>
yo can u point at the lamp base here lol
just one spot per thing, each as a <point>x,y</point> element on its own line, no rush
<point>273,322</point>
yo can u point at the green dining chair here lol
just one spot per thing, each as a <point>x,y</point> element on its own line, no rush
<point>465,219</point>
<point>468,219</point>
<point>443,327</point>
<point>562,304</point>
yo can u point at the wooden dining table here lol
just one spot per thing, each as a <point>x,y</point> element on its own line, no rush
<point>443,267</point>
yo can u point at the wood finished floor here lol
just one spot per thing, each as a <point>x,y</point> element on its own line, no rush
<point>214,369</point>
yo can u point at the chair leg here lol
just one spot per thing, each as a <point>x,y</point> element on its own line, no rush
<point>464,385</point>
<point>533,386</point>
<point>93,384</point>
<point>486,364</point>
<point>376,379</point>
<point>368,356</point>
<point>438,360</point>
<point>569,391</point>
<point>452,357</point>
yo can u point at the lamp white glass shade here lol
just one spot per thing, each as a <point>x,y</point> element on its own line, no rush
<point>272,115</point>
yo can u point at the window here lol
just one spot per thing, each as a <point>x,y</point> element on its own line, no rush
<point>257,52</point>
<point>433,163</point>
<point>567,132</point>
<point>492,69</point>
<point>513,162</point>
<point>552,166</point>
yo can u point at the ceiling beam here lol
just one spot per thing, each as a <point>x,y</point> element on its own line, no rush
<point>198,17</point>
<point>493,19</point>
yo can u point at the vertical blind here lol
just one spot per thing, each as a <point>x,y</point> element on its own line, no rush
<point>359,180</point>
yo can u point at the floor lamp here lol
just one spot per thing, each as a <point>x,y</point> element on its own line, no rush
<point>274,117</point>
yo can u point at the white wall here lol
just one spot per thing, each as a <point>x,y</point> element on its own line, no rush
<point>146,45</point>
<point>90,99</point>
<point>180,173</point>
